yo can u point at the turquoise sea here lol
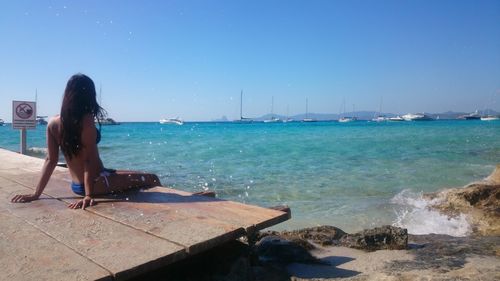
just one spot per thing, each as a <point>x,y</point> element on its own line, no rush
<point>354,175</point>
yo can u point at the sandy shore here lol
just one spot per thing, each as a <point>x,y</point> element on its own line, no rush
<point>434,258</point>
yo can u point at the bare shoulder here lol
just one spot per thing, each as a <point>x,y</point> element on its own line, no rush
<point>56,120</point>
<point>54,125</point>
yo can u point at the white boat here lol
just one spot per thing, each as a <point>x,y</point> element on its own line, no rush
<point>380,118</point>
<point>273,119</point>
<point>347,119</point>
<point>307,119</point>
<point>471,116</point>
<point>2,123</point>
<point>40,120</point>
<point>175,121</point>
<point>416,117</point>
<point>490,118</point>
<point>396,119</point>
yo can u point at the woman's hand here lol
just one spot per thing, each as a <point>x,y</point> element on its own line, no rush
<point>24,198</point>
<point>87,201</point>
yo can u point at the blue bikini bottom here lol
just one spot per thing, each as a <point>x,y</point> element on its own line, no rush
<point>79,188</point>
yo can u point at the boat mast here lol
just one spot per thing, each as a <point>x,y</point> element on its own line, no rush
<point>272,107</point>
<point>307,113</point>
<point>241,105</point>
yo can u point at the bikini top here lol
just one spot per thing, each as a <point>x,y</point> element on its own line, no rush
<point>98,138</point>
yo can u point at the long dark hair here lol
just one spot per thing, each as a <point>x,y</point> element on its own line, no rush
<point>79,100</point>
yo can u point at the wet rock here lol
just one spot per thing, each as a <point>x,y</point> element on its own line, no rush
<point>494,178</point>
<point>385,237</point>
<point>279,250</point>
<point>323,235</point>
<point>480,201</point>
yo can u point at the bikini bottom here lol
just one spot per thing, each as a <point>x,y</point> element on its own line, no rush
<point>79,188</point>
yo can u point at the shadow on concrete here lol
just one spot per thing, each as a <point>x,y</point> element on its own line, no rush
<point>326,270</point>
<point>140,196</point>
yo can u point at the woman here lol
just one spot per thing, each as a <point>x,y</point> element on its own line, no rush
<point>75,133</point>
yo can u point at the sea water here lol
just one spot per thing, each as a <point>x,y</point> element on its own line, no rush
<point>350,175</point>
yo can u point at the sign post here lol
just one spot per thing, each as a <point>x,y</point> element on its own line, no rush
<point>23,118</point>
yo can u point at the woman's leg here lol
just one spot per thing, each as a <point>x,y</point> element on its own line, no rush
<point>119,181</point>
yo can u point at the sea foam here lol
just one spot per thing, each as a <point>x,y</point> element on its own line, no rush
<point>415,213</point>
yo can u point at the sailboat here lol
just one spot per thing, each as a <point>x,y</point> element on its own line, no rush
<point>379,117</point>
<point>108,120</point>
<point>243,119</point>
<point>287,119</point>
<point>346,119</point>
<point>40,120</point>
<point>307,119</point>
<point>273,119</point>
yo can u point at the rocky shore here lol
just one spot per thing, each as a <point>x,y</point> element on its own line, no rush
<point>382,253</point>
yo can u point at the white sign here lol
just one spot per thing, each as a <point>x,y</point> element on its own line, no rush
<point>23,115</point>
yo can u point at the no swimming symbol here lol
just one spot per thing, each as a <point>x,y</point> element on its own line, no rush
<point>24,111</point>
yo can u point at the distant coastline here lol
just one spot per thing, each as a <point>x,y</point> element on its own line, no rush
<point>361,115</point>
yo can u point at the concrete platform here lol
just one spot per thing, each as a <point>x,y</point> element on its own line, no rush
<point>119,238</point>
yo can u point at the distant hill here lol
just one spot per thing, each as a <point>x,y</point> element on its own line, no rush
<point>361,115</point>
<point>368,115</point>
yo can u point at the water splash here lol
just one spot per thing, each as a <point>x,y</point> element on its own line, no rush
<point>414,212</point>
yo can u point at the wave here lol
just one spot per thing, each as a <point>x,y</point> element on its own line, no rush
<point>415,213</point>
<point>39,152</point>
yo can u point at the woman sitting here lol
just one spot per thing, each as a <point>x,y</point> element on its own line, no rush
<point>74,131</point>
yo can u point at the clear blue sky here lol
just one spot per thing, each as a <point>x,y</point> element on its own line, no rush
<point>190,59</point>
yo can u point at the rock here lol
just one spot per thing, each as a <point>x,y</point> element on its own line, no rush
<point>323,235</point>
<point>276,249</point>
<point>480,201</point>
<point>494,178</point>
<point>385,237</point>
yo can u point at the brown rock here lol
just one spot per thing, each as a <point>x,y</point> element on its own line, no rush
<point>385,237</point>
<point>324,235</point>
<point>480,201</point>
<point>494,178</point>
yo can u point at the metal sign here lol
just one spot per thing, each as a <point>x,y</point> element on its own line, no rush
<point>23,115</point>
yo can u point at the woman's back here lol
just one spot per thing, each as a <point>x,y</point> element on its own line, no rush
<point>76,163</point>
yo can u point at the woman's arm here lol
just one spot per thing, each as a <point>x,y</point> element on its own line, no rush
<point>48,166</point>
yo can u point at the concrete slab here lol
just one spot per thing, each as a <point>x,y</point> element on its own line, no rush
<point>107,243</point>
<point>28,254</point>
<point>125,234</point>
